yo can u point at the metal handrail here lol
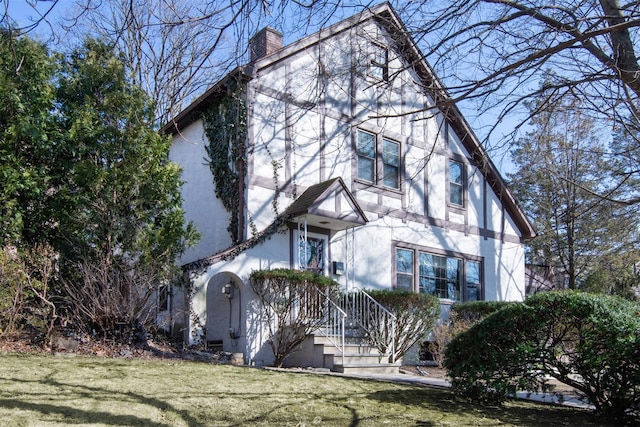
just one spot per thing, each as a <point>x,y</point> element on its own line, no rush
<point>378,322</point>
<point>334,319</point>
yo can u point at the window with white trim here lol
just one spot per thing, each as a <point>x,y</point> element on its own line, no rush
<point>452,277</point>
<point>378,160</point>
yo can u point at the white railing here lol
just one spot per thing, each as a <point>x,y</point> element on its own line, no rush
<point>333,319</point>
<point>378,323</point>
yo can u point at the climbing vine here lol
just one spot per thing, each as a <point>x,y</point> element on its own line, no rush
<point>225,126</point>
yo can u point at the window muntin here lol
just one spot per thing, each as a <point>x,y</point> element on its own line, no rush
<point>439,275</point>
<point>390,163</point>
<point>456,183</point>
<point>378,160</point>
<point>366,156</point>
<point>404,269</point>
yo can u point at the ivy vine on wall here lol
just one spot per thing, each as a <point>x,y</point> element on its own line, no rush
<point>225,126</point>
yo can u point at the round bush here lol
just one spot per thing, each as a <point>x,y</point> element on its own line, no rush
<point>587,341</point>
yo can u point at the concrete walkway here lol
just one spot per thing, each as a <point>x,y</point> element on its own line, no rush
<point>556,398</point>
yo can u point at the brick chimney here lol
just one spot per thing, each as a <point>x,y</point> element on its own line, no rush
<point>265,42</point>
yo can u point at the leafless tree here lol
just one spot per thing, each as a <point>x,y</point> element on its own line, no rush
<point>496,52</point>
<point>36,14</point>
<point>177,48</point>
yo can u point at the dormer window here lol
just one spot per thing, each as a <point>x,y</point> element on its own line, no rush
<point>379,62</point>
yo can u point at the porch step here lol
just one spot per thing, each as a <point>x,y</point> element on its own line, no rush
<point>379,368</point>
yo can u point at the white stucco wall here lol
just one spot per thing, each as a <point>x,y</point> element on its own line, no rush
<point>200,203</point>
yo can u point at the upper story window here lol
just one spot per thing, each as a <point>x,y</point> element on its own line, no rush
<point>456,183</point>
<point>378,160</point>
<point>379,62</point>
<point>450,277</point>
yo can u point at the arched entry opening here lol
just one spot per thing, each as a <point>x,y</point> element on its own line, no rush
<point>226,320</point>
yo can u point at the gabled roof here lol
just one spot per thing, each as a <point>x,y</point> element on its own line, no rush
<point>387,17</point>
<point>322,205</point>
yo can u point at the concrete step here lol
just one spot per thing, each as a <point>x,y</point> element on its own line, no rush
<point>380,368</point>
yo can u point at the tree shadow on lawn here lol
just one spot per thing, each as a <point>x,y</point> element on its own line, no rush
<point>74,415</point>
<point>515,412</point>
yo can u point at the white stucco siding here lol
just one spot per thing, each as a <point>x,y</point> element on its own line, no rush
<point>475,197</point>
<point>414,165</point>
<point>337,151</point>
<point>436,189</point>
<point>504,270</point>
<point>305,147</point>
<point>273,253</point>
<point>268,145</point>
<point>199,200</point>
<point>260,207</point>
<point>416,122</point>
<point>336,62</point>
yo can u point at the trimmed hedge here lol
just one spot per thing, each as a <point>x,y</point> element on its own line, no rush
<point>474,311</point>
<point>587,341</point>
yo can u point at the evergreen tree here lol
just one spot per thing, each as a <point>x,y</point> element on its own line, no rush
<point>125,227</point>
<point>563,170</point>
<point>29,141</point>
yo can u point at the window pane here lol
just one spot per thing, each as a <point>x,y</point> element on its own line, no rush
<point>391,163</point>
<point>428,282</point>
<point>366,156</point>
<point>365,168</point>
<point>366,144</point>
<point>454,267</point>
<point>455,172</point>
<point>390,152</point>
<point>473,280</point>
<point>404,269</point>
<point>379,62</point>
<point>455,194</point>
<point>391,177</point>
<point>404,261</point>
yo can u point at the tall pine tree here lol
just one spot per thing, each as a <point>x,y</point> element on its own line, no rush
<point>562,171</point>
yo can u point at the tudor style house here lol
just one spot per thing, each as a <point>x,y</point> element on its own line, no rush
<point>333,154</point>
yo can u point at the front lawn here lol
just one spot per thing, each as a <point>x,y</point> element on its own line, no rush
<point>37,390</point>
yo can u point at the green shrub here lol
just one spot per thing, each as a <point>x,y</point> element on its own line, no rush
<point>587,341</point>
<point>415,313</point>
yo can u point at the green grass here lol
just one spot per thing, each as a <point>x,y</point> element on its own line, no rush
<point>38,390</point>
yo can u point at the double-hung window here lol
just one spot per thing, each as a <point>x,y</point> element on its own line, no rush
<point>456,183</point>
<point>378,160</point>
<point>451,277</point>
